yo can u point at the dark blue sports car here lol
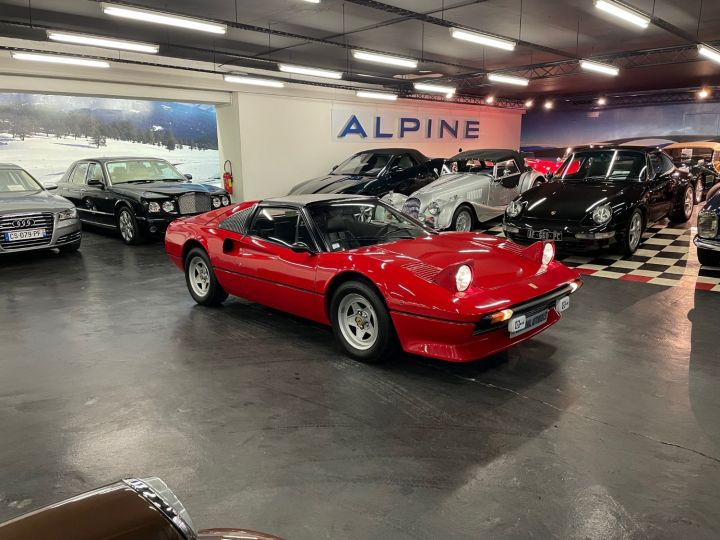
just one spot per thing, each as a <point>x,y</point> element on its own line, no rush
<point>707,239</point>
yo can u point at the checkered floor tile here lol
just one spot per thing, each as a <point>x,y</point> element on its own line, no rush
<point>666,257</point>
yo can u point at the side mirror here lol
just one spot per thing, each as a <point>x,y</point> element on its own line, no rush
<point>188,176</point>
<point>95,182</point>
<point>302,247</point>
<point>51,187</point>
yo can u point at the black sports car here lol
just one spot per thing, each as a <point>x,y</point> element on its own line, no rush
<point>703,160</point>
<point>137,196</point>
<point>376,172</point>
<point>600,196</point>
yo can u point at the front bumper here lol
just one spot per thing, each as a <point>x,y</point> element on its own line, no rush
<point>575,237</point>
<point>706,243</point>
<point>63,233</point>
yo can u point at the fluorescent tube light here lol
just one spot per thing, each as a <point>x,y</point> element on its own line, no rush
<point>508,79</point>
<point>435,88</point>
<point>385,59</point>
<point>624,12</point>
<point>376,95</point>
<point>239,79</point>
<point>168,19</point>
<point>57,59</point>
<point>314,72</point>
<point>482,39</point>
<point>709,52</point>
<point>106,43</point>
<point>599,68</point>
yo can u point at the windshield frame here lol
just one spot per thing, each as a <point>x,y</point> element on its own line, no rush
<point>338,169</point>
<point>29,176</point>
<point>111,182</point>
<point>561,176</point>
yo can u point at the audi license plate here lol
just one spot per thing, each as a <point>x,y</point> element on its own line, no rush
<point>521,324</point>
<point>26,234</point>
<point>544,235</point>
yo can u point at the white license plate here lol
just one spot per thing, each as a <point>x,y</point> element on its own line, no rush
<point>521,323</point>
<point>562,304</point>
<point>544,235</point>
<point>27,234</point>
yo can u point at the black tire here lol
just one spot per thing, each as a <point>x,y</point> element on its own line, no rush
<point>681,213</point>
<point>377,318</point>
<point>69,248</point>
<point>466,215</point>
<point>205,291</point>
<point>631,238</point>
<point>128,227</point>
<point>708,257</point>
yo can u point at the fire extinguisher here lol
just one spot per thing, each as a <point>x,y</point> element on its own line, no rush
<point>228,177</point>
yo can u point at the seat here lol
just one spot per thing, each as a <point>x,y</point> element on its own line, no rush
<point>339,232</point>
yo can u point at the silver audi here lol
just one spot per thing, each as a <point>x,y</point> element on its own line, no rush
<point>31,217</point>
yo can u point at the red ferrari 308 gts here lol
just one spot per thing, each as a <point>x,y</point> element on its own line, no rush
<point>377,276</point>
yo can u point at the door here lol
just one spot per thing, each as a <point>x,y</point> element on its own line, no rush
<point>71,189</point>
<point>506,184</point>
<point>97,200</point>
<point>660,190</point>
<point>406,175</point>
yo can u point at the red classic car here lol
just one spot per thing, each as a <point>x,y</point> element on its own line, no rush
<point>377,276</point>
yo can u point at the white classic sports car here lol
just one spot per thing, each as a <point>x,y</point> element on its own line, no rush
<point>475,186</point>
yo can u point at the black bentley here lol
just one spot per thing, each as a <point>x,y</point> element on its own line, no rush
<point>376,172</point>
<point>137,196</point>
<point>600,196</point>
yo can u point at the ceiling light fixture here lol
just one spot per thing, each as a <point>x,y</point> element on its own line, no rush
<point>623,12</point>
<point>602,101</point>
<point>709,52</point>
<point>57,59</point>
<point>483,39</point>
<point>490,99</point>
<point>529,103</point>
<point>106,43</point>
<point>704,93</point>
<point>313,72</point>
<point>508,79</point>
<point>168,19</point>
<point>548,104</point>
<point>313,1</point>
<point>605,69</point>
<point>255,81</point>
<point>385,59</point>
<point>376,95</point>
<point>435,88</point>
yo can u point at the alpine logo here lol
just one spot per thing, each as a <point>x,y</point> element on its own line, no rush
<point>22,223</point>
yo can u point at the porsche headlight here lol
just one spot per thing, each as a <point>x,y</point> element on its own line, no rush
<point>225,200</point>
<point>153,207</point>
<point>463,278</point>
<point>602,214</point>
<point>548,254</point>
<point>70,213</point>
<point>216,202</point>
<point>168,206</point>
<point>514,208</point>
<point>707,225</point>
<point>157,493</point>
<point>433,209</point>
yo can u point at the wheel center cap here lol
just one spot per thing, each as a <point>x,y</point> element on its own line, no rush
<point>360,320</point>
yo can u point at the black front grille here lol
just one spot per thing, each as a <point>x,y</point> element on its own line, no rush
<point>20,222</point>
<point>69,238</point>
<point>194,203</point>
<point>412,207</point>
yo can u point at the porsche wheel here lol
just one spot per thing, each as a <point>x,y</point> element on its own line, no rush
<point>361,323</point>
<point>463,220</point>
<point>684,207</point>
<point>631,238</point>
<point>201,280</point>
<point>128,226</point>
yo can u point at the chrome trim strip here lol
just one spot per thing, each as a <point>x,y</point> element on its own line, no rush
<point>148,493</point>
<point>706,243</point>
<point>95,211</point>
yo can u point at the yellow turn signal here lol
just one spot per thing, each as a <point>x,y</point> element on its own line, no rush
<point>501,316</point>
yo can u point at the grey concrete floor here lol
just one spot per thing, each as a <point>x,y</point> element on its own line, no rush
<point>606,426</point>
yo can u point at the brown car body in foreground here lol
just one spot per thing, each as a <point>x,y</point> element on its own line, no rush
<point>119,511</point>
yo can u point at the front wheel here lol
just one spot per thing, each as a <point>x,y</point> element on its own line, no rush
<point>128,226</point>
<point>630,239</point>
<point>708,257</point>
<point>201,280</point>
<point>463,220</point>
<point>361,323</point>
<point>684,209</point>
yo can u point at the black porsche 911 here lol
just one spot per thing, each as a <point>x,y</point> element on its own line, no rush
<point>136,196</point>
<point>602,196</point>
<point>376,172</point>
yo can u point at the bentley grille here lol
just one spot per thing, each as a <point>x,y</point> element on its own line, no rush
<point>194,203</point>
<point>19,222</point>
<point>412,207</point>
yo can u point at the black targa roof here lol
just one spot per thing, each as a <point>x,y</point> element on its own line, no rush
<point>495,154</point>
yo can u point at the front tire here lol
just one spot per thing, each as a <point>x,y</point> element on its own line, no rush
<point>463,220</point>
<point>708,257</point>
<point>361,323</point>
<point>684,207</point>
<point>129,228</point>
<point>201,281</point>
<point>631,238</point>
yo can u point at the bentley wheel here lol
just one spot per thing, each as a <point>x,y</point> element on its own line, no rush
<point>684,209</point>
<point>201,280</point>
<point>128,226</point>
<point>462,220</point>
<point>632,236</point>
<point>361,323</point>
<point>699,190</point>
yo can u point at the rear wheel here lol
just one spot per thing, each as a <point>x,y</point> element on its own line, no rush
<point>201,281</point>
<point>630,239</point>
<point>463,220</point>
<point>128,226</point>
<point>684,208</point>
<point>708,257</point>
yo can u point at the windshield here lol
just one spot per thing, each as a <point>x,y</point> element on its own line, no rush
<point>16,181</point>
<point>473,165</point>
<point>353,225</point>
<point>143,170</point>
<point>366,164</point>
<point>613,165</point>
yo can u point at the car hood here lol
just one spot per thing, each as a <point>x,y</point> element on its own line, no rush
<point>573,200</point>
<point>332,183</point>
<point>36,201</point>
<point>448,183</point>
<point>167,188</point>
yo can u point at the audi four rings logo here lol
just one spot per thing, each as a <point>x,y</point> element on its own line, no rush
<point>23,223</point>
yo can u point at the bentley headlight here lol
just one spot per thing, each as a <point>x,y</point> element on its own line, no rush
<point>514,208</point>
<point>153,207</point>
<point>463,278</point>
<point>168,206</point>
<point>216,202</point>
<point>157,493</point>
<point>602,214</point>
<point>707,225</point>
<point>225,200</point>
<point>433,209</point>
<point>70,213</point>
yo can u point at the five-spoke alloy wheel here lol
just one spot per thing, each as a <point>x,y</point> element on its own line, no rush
<point>201,280</point>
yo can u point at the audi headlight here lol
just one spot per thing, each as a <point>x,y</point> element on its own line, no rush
<point>602,214</point>
<point>707,225</point>
<point>433,209</point>
<point>153,207</point>
<point>463,278</point>
<point>225,200</point>
<point>216,202</point>
<point>168,206</point>
<point>514,208</point>
<point>70,213</point>
<point>157,493</point>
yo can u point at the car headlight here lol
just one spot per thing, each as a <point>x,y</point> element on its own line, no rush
<point>70,213</point>
<point>168,206</point>
<point>548,254</point>
<point>602,214</point>
<point>216,202</point>
<point>707,225</point>
<point>514,208</point>
<point>225,200</point>
<point>153,207</point>
<point>463,278</point>
<point>433,209</point>
<point>157,493</point>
